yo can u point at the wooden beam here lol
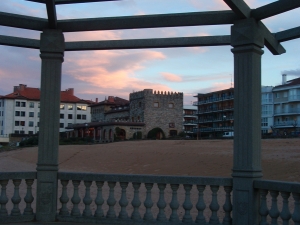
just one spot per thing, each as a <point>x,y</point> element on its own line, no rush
<point>60,2</point>
<point>149,43</point>
<point>274,8</point>
<point>19,42</point>
<point>241,9</point>
<point>270,41</point>
<point>148,21</point>
<point>51,11</point>
<point>25,22</point>
<point>288,35</point>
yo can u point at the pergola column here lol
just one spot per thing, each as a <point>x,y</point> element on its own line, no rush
<point>247,42</point>
<point>52,51</point>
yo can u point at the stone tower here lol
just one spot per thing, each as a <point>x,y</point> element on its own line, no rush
<point>157,109</point>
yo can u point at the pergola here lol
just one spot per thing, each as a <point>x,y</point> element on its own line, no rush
<point>248,36</point>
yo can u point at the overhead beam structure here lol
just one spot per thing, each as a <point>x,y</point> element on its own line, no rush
<point>51,11</point>
<point>24,22</point>
<point>288,35</point>
<point>60,2</point>
<point>149,43</point>
<point>243,10</point>
<point>274,8</point>
<point>148,21</point>
<point>19,42</point>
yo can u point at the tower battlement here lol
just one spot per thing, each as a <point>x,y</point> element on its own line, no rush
<point>150,92</point>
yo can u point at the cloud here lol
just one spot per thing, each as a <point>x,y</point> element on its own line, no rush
<point>291,72</point>
<point>171,77</point>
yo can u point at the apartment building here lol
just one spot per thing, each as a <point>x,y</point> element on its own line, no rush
<point>20,110</point>
<point>267,110</point>
<point>215,113</point>
<point>286,106</point>
<point>190,119</point>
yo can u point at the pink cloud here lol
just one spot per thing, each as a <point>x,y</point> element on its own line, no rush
<point>171,77</point>
<point>93,35</point>
<point>114,70</point>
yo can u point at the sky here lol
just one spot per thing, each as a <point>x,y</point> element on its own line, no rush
<point>98,74</point>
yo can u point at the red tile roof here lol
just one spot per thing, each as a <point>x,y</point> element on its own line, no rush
<point>29,93</point>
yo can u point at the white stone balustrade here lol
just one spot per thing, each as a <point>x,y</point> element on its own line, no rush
<point>131,199</point>
<point>279,202</point>
<point>16,196</point>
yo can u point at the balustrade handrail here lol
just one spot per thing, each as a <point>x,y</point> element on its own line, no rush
<point>277,185</point>
<point>221,181</point>
<point>18,175</point>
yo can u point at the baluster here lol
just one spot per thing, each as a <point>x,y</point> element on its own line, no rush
<point>296,214</point>
<point>16,199</point>
<point>64,199</point>
<point>99,199</point>
<point>75,199</point>
<point>123,201</point>
<point>28,198</point>
<point>3,198</point>
<point>111,201</point>
<point>227,206</point>
<point>200,205</point>
<point>285,213</point>
<point>214,206</point>
<point>174,203</point>
<point>136,202</point>
<point>274,212</point>
<point>263,209</point>
<point>161,204</point>
<point>187,205</point>
<point>87,200</point>
<point>148,202</point>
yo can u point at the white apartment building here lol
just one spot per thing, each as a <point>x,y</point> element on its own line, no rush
<point>20,110</point>
<point>287,106</point>
<point>266,109</point>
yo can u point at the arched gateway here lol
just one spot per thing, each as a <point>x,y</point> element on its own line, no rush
<point>248,36</point>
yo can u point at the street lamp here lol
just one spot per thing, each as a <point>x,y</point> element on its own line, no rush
<point>86,127</point>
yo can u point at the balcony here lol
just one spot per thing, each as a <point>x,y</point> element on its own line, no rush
<point>212,100</point>
<point>190,115</point>
<point>288,123</point>
<point>190,122</point>
<point>216,119</point>
<point>213,129</point>
<point>215,109</point>
<point>287,111</point>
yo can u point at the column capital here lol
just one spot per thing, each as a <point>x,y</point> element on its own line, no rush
<point>246,32</point>
<point>52,41</point>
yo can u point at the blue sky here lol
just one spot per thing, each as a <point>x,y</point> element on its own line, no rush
<point>96,74</point>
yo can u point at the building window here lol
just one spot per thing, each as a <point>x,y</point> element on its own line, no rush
<point>31,104</point>
<point>17,113</point>
<point>23,113</point>
<point>285,94</point>
<point>38,124</point>
<point>39,105</point>
<point>277,95</point>
<point>81,107</point>
<point>23,104</point>
<point>31,114</point>
<point>84,117</point>
<point>30,123</point>
<point>38,114</point>
<point>17,132</point>
<point>30,132</point>
<point>22,123</point>
<point>17,123</point>
<point>62,106</point>
<point>18,104</point>
<point>70,107</point>
<point>70,116</point>
<point>61,125</point>
<point>79,117</point>
<point>140,104</point>
<point>62,116</point>
<point>132,119</point>
<point>156,104</point>
<point>171,105</point>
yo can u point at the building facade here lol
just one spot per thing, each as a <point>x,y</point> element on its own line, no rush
<point>286,106</point>
<point>215,113</point>
<point>267,109</point>
<point>145,111</point>
<point>20,110</point>
<point>190,120</point>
